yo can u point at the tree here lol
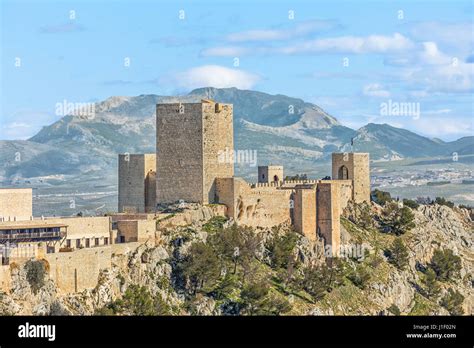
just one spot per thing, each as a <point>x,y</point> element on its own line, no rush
<point>411,203</point>
<point>237,246</point>
<point>282,249</point>
<point>253,296</point>
<point>258,300</point>
<point>362,216</point>
<point>452,301</point>
<point>398,254</point>
<point>443,201</point>
<point>380,197</point>
<point>137,300</point>
<point>315,281</point>
<point>35,272</point>
<point>397,220</point>
<point>359,276</point>
<point>394,309</point>
<point>431,287</point>
<point>445,264</point>
<point>202,266</point>
<point>296,177</point>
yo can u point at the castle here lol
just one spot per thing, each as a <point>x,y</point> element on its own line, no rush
<point>189,167</point>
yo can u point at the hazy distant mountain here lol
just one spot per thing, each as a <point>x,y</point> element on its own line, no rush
<point>281,129</point>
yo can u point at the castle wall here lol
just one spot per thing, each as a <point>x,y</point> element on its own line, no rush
<point>328,212</point>
<point>136,182</point>
<point>16,204</point>
<point>218,139</point>
<point>136,230</point>
<point>358,170</point>
<point>225,194</point>
<point>179,155</point>
<point>78,270</point>
<point>304,212</point>
<point>260,206</point>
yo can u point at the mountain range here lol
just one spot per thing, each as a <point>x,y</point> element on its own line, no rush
<point>281,129</point>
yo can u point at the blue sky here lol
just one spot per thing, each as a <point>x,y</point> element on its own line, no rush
<point>346,56</point>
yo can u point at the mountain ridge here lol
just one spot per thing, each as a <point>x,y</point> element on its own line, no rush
<point>282,129</point>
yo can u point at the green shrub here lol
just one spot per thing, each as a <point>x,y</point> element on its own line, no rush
<point>296,177</point>
<point>214,224</point>
<point>137,300</point>
<point>397,220</point>
<point>445,264</point>
<point>443,201</point>
<point>431,287</point>
<point>258,300</point>
<point>359,276</point>
<point>282,249</point>
<point>202,267</point>
<point>398,254</point>
<point>315,281</point>
<point>452,301</point>
<point>35,273</point>
<point>410,203</point>
<point>394,309</point>
<point>380,197</point>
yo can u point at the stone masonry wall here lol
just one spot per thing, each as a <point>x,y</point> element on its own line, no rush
<point>218,138</point>
<point>358,168</point>
<point>304,212</point>
<point>328,214</point>
<point>16,204</point>
<point>179,156</point>
<point>137,187</point>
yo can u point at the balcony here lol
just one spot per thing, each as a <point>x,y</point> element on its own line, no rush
<point>32,233</point>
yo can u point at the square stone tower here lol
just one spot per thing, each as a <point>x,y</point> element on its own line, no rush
<point>267,174</point>
<point>355,167</point>
<point>137,183</point>
<point>191,140</point>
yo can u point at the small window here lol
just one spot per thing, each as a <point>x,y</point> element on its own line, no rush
<point>343,173</point>
<point>97,241</point>
<point>78,243</point>
<point>68,243</point>
<point>106,241</point>
<point>88,243</point>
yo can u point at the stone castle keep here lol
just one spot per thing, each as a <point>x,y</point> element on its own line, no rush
<point>187,167</point>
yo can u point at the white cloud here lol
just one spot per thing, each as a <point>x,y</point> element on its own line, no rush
<point>301,29</point>
<point>426,53</point>
<point>451,34</point>
<point>442,127</point>
<point>343,44</point>
<point>353,44</point>
<point>429,70</point>
<point>375,90</point>
<point>215,76</point>
<point>437,112</point>
<point>225,51</point>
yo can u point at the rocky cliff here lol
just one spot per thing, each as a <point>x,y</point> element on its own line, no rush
<point>216,268</point>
